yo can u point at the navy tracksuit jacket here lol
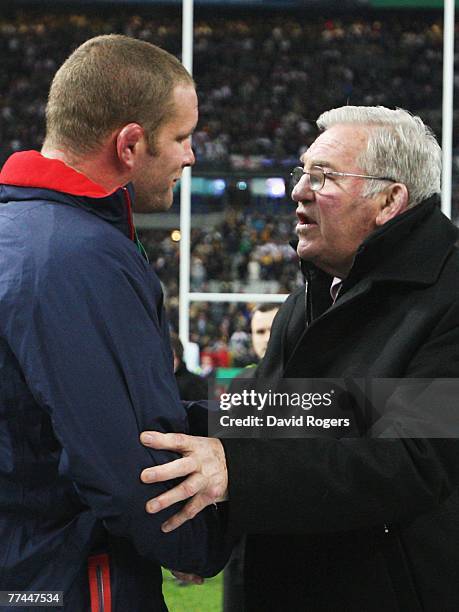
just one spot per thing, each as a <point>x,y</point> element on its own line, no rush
<point>85,366</point>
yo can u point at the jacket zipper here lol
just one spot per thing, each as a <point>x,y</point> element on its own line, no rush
<point>100,589</point>
<point>99,583</point>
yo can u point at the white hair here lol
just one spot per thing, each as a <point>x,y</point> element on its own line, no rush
<point>400,146</point>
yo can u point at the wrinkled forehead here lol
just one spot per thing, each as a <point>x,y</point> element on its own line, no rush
<point>339,145</point>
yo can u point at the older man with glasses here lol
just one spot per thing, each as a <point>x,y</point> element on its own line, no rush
<point>369,523</point>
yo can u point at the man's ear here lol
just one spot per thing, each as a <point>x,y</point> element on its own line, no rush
<point>129,142</point>
<point>394,203</point>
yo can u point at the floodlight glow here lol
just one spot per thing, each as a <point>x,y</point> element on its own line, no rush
<point>219,186</point>
<point>275,187</point>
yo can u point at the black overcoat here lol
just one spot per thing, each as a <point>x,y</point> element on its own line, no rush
<point>364,524</point>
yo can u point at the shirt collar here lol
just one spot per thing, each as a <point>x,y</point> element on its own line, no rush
<point>335,288</point>
<point>32,169</point>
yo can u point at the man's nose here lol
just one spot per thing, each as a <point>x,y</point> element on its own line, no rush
<point>189,158</point>
<point>302,190</point>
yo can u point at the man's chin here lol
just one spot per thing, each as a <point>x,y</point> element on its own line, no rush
<point>162,206</point>
<point>304,251</point>
<point>155,204</point>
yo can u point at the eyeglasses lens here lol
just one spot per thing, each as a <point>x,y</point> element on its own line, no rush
<point>316,179</point>
<point>296,175</point>
<point>315,175</point>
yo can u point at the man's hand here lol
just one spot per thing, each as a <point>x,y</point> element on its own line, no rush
<point>203,461</point>
<point>188,578</point>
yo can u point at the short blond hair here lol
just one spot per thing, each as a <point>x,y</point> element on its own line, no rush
<point>107,82</point>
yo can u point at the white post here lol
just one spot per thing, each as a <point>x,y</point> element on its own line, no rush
<point>447,117</point>
<point>185,191</point>
<point>239,297</point>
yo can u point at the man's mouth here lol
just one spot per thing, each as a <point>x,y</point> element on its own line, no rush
<point>304,219</point>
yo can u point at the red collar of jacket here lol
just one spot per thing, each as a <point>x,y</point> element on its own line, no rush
<point>32,169</point>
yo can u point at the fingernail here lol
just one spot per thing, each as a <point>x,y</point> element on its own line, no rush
<point>146,438</point>
<point>148,476</point>
<point>166,528</point>
<point>152,507</point>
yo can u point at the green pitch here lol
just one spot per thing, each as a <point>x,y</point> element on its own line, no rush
<point>206,597</point>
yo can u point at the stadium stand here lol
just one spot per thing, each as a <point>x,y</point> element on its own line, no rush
<point>261,82</point>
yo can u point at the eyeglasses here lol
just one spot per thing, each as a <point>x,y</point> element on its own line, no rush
<point>317,176</point>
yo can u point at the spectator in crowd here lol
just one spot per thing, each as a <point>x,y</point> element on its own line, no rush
<point>365,522</point>
<point>191,386</point>
<point>207,366</point>
<point>262,321</point>
<point>239,344</point>
<point>85,350</point>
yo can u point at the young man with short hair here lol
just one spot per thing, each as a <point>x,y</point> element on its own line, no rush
<point>85,355</point>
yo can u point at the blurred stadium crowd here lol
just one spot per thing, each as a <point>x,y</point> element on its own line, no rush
<point>262,81</point>
<point>246,249</point>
